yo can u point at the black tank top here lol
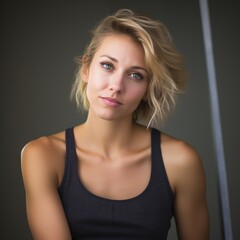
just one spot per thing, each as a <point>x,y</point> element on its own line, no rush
<point>146,216</point>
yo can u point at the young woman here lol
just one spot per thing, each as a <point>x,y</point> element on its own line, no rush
<point>116,176</point>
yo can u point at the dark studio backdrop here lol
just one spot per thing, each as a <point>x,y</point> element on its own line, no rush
<point>39,43</point>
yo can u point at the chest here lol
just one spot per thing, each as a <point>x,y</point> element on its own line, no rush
<point>119,179</point>
<point>108,200</point>
<point>117,202</point>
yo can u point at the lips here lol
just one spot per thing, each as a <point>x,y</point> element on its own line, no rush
<point>111,101</point>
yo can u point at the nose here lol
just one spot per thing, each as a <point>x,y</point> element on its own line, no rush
<point>116,82</point>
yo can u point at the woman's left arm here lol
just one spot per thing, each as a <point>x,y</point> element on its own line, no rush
<point>191,211</point>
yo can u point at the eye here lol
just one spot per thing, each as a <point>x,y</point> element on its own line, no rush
<point>107,66</point>
<point>137,76</point>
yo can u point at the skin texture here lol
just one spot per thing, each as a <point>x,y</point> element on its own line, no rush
<point>115,68</point>
<point>116,83</point>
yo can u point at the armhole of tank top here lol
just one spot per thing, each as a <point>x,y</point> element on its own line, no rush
<point>157,137</point>
<point>63,185</point>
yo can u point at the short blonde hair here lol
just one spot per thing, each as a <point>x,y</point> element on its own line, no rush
<point>164,64</point>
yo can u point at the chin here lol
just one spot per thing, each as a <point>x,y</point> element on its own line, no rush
<point>113,116</point>
<point>109,117</point>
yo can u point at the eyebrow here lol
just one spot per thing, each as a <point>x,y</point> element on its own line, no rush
<point>133,67</point>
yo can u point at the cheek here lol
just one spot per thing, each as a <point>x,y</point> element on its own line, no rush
<point>138,93</point>
<point>95,86</point>
<point>96,81</point>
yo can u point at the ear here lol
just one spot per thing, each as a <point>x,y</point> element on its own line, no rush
<point>84,69</point>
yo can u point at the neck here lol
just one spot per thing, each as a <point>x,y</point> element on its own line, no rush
<point>109,137</point>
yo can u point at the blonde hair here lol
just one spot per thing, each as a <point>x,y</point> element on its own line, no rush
<point>164,64</point>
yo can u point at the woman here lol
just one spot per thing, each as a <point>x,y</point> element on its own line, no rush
<point>115,176</point>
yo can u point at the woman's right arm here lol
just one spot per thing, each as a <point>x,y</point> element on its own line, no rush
<point>45,213</point>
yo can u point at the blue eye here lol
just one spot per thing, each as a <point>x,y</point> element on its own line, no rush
<point>107,66</point>
<point>136,76</point>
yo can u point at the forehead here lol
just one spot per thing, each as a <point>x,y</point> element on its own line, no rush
<point>121,46</point>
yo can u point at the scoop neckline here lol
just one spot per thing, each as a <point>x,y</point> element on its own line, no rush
<point>101,198</point>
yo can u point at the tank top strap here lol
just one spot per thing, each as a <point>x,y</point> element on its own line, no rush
<point>155,141</point>
<point>158,167</point>
<point>70,161</point>
<point>70,145</point>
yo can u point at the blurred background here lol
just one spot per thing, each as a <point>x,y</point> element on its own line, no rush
<point>40,40</point>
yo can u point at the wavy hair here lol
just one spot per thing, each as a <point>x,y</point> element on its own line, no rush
<point>164,63</point>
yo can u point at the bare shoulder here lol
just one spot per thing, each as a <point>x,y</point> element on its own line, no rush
<point>178,151</point>
<point>187,179</point>
<point>42,161</point>
<point>182,161</point>
<point>44,145</point>
<point>44,155</point>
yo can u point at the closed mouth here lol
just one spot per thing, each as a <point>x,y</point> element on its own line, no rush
<point>112,100</point>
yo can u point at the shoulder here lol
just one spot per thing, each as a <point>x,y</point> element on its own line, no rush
<point>180,151</point>
<point>44,156</point>
<point>182,161</point>
<point>44,143</point>
<point>187,179</point>
<point>44,147</point>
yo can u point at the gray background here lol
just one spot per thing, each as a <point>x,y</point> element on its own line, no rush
<point>39,43</point>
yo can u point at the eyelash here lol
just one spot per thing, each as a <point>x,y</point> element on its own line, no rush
<point>104,64</point>
<point>135,75</point>
<point>138,77</point>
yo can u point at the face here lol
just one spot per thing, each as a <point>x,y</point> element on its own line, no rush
<point>117,78</point>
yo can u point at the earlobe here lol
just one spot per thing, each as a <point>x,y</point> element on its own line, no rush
<point>84,69</point>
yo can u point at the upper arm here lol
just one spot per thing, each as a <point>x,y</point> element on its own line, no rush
<point>44,209</point>
<point>191,212</point>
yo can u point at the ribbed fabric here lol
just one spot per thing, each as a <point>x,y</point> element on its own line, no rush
<point>146,216</point>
